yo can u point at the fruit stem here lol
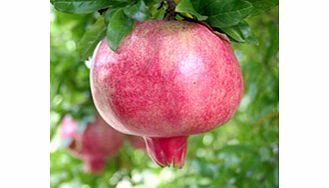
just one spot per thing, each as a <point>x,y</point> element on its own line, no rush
<point>167,151</point>
<point>170,10</point>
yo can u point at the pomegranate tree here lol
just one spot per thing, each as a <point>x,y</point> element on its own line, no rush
<point>167,80</point>
<point>94,145</point>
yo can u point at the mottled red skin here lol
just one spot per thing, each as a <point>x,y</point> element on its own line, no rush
<point>98,142</point>
<point>167,79</point>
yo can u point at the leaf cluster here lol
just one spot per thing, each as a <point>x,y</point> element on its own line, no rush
<point>118,17</point>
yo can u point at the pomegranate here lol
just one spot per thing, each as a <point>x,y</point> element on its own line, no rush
<point>166,81</point>
<point>97,142</point>
<point>137,142</point>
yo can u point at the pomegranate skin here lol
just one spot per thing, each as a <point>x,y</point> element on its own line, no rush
<point>96,143</point>
<point>100,140</point>
<point>167,79</point>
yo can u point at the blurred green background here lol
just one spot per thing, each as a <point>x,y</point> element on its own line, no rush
<point>243,153</point>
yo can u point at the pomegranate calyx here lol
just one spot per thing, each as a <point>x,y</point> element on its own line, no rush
<point>167,151</point>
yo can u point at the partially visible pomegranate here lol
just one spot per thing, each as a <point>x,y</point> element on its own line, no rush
<point>94,145</point>
<point>137,142</point>
<point>166,81</point>
<point>69,127</point>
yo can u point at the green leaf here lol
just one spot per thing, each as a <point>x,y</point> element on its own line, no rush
<point>198,5</point>
<point>138,11</point>
<point>185,6</point>
<point>80,6</point>
<point>225,13</point>
<point>156,12</point>
<point>241,33</point>
<point>119,26</point>
<point>108,14</point>
<point>261,6</point>
<point>91,38</point>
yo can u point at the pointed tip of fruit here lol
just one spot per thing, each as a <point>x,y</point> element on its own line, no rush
<point>167,152</point>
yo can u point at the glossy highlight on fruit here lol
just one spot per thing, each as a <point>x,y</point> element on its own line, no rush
<point>94,144</point>
<point>166,81</point>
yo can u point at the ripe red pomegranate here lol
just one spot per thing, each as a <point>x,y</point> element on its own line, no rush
<point>94,145</point>
<point>166,81</point>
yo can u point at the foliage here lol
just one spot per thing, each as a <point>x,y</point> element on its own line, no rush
<point>242,153</point>
<point>226,16</point>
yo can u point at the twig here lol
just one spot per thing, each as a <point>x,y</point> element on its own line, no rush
<point>171,10</point>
